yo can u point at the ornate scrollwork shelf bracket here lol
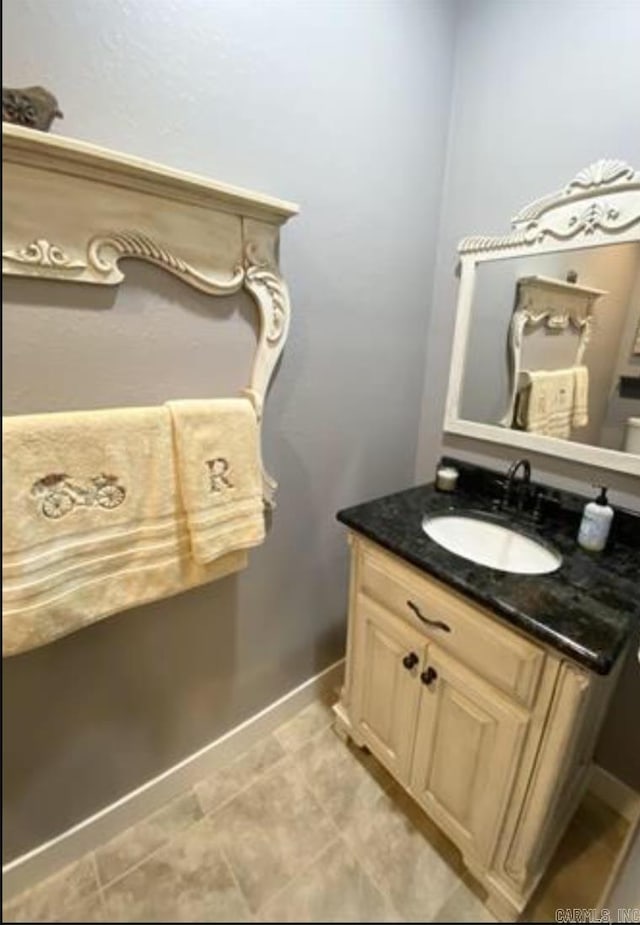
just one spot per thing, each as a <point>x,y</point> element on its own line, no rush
<point>40,255</point>
<point>104,252</point>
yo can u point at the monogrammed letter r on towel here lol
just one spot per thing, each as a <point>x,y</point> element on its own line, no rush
<point>218,460</point>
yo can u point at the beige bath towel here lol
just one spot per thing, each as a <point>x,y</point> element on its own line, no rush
<point>217,450</point>
<point>580,415</point>
<point>92,521</point>
<point>546,406</point>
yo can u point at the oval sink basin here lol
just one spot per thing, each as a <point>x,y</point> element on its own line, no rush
<point>491,544</point>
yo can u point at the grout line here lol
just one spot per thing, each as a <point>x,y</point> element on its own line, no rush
<point>50,857</point>
<point>243,789</point>
<point>298,874</point>
<point>232,873</point>
<point>96,871</point>
<point>147,857</point>
<point>287,755</point>
<point>102,886</point>
<point>311,738</point>
<point>102,904</point>
<point>205,814</point>
<point>65,907</point>
<point>365,873</point>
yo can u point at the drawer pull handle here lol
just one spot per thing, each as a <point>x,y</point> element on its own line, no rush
<point>438,624</point>
<point>428,677</point>
<point>410,661</point>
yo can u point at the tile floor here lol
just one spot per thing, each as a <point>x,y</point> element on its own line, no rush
<point>302,828</point>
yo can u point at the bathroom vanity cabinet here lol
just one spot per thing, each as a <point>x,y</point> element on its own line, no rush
<point>490,731</point>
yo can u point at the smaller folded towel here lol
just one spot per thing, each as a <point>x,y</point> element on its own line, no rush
<point>546,407</point>
<point>580,416</point>
<point>219,473</point>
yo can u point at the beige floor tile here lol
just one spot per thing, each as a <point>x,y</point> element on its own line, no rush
<point>270,831</point>
<point>50,900</point>
<point>87,910</point>
<point>228,781</point>
<point>400,860</point>
<point>430,831</point>
<point>188,880</point>
<point>345,779</point>
<point>304,828</point>
<point>309,722</point>
<point>136,843</point>
<point>463,906</point>
<point>333,889</point>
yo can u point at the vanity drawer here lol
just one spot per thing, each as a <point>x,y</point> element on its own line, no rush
<point>504,658</point>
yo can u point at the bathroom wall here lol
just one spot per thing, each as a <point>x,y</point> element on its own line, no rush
<point>342,106</point>
<point>540,91</point>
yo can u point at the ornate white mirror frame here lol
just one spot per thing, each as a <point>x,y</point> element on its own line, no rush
<point>600,206</point>
<point>73,211</point>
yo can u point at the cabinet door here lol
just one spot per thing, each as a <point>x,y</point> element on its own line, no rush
<point>468,744</point>
<point>389,656</point>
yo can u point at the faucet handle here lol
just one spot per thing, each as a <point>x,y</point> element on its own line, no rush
<point>504,488</point>
<point>540,497</point>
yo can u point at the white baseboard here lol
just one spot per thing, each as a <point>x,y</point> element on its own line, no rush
<point>615,793</point>
<point>46,859</point>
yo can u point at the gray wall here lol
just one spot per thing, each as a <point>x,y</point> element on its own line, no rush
<point>541,90</point>
<point>343,107</point>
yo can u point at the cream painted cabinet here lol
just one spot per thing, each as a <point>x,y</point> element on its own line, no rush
<point>387,688</point>
<point>489,731</point>
<point>467,744</point>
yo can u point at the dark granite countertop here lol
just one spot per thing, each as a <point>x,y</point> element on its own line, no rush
<point>586,609</point>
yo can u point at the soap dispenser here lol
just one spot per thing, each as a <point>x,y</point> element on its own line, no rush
<point>595,523</point>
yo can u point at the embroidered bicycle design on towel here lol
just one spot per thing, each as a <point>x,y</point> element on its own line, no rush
<point>60,495</point>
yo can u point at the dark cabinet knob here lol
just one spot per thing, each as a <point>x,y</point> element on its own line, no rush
<point>410,661</point>
<point>428,676</point>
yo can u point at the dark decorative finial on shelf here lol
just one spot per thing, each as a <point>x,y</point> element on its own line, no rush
<point>33,107</point>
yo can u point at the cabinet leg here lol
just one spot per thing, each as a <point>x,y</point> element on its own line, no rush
<point>343,728</point>
<point>340,731</point>
<point>501,908</point>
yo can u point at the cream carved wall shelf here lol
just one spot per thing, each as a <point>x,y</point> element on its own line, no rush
<point>73,211</point>
<point>552,304</point>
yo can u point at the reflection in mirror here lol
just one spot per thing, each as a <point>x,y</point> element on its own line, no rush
<point>546,352</point>
<point>553,346</point>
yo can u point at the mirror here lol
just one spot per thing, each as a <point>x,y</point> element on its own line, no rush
<point>546,352</point>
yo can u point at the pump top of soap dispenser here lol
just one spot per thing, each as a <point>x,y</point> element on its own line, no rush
<point>602,497</point>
